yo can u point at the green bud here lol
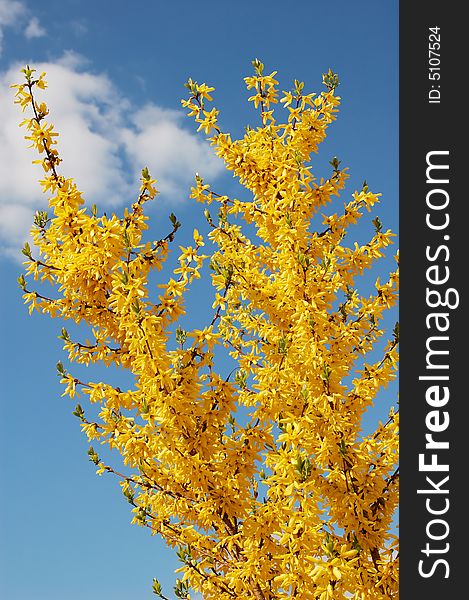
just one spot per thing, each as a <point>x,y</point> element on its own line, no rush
<point>240,378</point>
<point>208,216</point>
<point>378,225</point>
<point>298,159</point>
<point>79,412</point>
<point>40,219</point>
<point>190,85</point>
<point>60,368</point>
<point>303,260</point>
<point>181,589</point>
<point>94,458</point>
<point>303,467</point>
<point>329,545</point>
<point>126,238</point>
<point>228,274</point>
<point>222,217</point>
<point>258,66</point>
<point>330,80</point>
<point>299,85</point>
<point>174,222</point>
<point>181,336</point>
<point>64,335</point>
<point>156,587</point>
<point>325,263</point>
<point>28,73</point>
<point>282,345</point>
<point>142,515</point>
<point>342,448</point>
<point>27,250</point>
<point>22,282</point>
<point>184,554</point>
<point>129,494</point>
<point>326,372</point>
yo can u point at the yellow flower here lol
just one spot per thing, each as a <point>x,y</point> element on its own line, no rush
<point>259,473</point>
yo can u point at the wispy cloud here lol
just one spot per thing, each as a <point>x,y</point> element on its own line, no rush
<point>17,15</point>
<point>78,27</point>
<point>34,29</point>
<point>104,142</point>
<point>11,12</point>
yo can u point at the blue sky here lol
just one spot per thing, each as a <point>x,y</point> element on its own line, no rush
<point>116,73</point>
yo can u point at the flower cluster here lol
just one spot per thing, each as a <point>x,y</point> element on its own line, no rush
<point>262,479</point>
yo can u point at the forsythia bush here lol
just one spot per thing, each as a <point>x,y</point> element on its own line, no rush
<point>261,478</point>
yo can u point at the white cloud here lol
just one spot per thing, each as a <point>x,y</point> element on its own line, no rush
<point>16,14</point>
<point>11,12</point>
<point>34,29</point>
<point>104,142</point>
<point>172,153</point>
